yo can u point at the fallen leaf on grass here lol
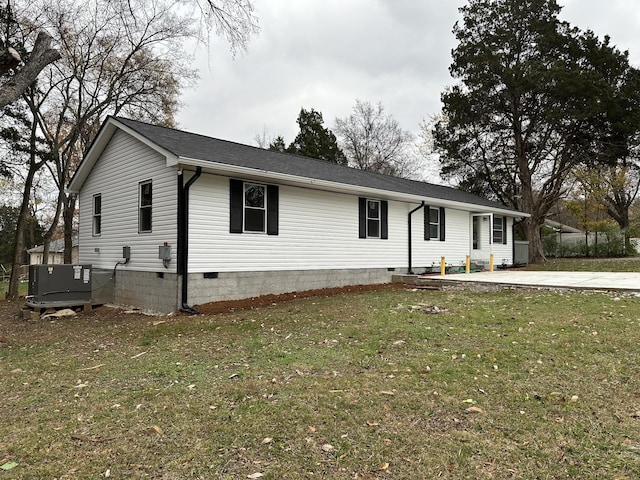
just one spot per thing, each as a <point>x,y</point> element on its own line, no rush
<point>91,368</point>
<point>387,392</point>
<point>156,429</point>
<point>267,440</point>
<point>8,466</point>
<point>255,475</point>
<point>328,447</point>
<point>373,424</point>
<point>384,466</point>
<point>474,410</point>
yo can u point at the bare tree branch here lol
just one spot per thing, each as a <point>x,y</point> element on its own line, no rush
<point>41,56</point>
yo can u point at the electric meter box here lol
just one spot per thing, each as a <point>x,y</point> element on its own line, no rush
<point>59,285</point>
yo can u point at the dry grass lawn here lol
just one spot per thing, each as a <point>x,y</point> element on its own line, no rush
<point>394,384</point>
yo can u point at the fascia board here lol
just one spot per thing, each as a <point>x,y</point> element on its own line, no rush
<point>306,182</point>
<point>98,146</point>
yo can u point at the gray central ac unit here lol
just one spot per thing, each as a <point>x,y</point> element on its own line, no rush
<point>59,285</point>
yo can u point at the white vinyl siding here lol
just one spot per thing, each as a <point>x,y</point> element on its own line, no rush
<point>503,253</point>
<point>318,230</point>
<point>455,248</point>
<point>125,163</point>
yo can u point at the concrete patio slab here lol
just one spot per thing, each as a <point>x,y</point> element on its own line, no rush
<point>628,281</point>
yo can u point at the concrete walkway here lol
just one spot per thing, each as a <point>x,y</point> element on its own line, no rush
<point>580,280</point>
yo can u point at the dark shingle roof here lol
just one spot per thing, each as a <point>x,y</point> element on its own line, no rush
<point>200,147</point>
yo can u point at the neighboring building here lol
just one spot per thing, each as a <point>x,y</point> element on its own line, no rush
<point>56,253</point>
<point>204,219</point>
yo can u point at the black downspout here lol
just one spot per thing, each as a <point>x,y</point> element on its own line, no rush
<point>183,237</point>
<point>410,270</point>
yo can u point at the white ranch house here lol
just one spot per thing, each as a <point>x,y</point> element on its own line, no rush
<point>172,219</point>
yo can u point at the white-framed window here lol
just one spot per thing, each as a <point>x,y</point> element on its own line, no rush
<point>145,203</point>
<point>498,229</point>
<point>97,215</point>
<point>434,222</point>
<point>255,207</point>
<point>373,219</point>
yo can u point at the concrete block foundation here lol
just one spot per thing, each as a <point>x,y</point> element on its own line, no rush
<point>160,292</point>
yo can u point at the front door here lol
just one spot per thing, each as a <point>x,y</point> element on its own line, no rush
<point>480,237</point>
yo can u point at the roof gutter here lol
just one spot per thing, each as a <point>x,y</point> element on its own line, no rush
<point>183,237</point>
<point>327,185</point>
<point>410,269</point>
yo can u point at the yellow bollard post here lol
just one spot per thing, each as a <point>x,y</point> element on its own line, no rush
<point>491,263</point>
<point>467,266</point>
<point>443,266</point>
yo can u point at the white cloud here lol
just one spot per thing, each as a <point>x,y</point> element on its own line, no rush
<point>325,54</point>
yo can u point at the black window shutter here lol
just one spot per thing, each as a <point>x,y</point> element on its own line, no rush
<point>362,217</point>
<point>442,223</point>
<point>384,217</point>
<point>504,230</point>
<point>272,210</point>
<point>427,220</point>
<point>235,202</point>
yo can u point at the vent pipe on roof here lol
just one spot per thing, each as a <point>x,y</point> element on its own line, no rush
<point>410,269</point>
<point>183,237</point>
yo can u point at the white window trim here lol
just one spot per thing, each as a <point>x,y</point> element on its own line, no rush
<point>245,207</point>
<point>437,224</point>
<point>379,219</point>
<point>494,230</point>
<point>96,216</point>
<point>141,207</point>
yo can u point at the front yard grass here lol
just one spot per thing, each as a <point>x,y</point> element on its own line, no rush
<point>623,264</point>
<point>395,384</point>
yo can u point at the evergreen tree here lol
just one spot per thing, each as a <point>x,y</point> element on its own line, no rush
<point>536,98</point>
<point>314,140</point>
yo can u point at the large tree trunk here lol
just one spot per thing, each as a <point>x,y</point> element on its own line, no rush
<point>620,213</point>
<point>21,226</point>
<point>531,229</point>
<point>67,216</point>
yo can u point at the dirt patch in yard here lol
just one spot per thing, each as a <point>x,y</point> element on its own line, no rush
<point>266,300</point>
<point>11,309</point>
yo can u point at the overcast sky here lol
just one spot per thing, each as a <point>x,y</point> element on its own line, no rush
<point>325,54</point>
